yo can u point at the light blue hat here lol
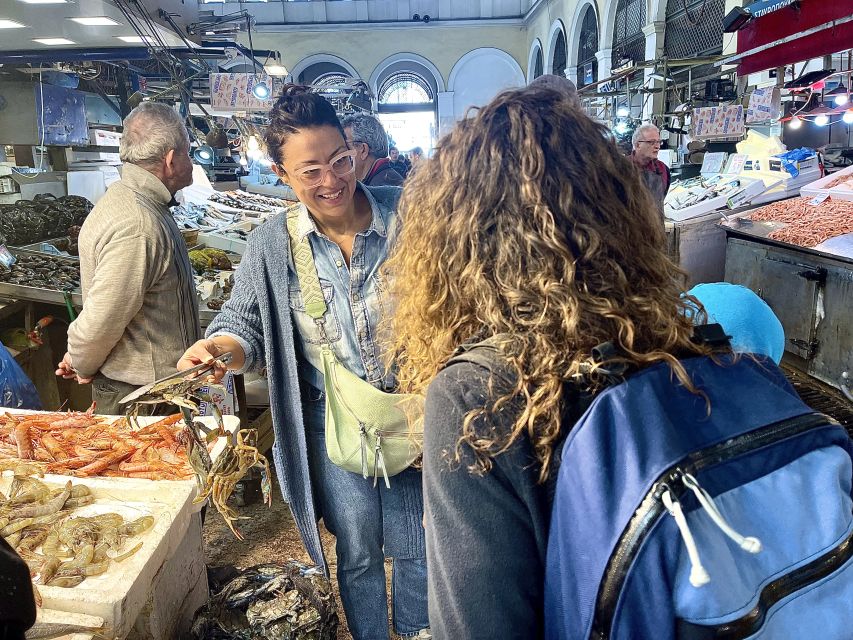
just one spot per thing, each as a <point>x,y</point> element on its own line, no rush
<point>750,322</point>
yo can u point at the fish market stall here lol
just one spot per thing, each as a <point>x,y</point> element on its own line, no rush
<point>112,529</point>
<point>797,255</point>
<point>761,171</point>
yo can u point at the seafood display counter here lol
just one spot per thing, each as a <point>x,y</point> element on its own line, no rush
<point>100,537</point>
<point>808,287</point>
<point>38,277</point>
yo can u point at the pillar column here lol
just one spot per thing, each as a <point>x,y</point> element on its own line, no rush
<point>446,113</point>
<point>605,60</point>
<point>572,74</point>
<point>654,33</point>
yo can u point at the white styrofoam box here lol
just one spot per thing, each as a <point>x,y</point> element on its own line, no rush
<point>698,209</point>
<point>178,590</point>
<point>118,595</point>
<point>217,241</point>
<point>775,164</point>
<point>818,187</point>
<point>50,616</point>
<point>746,193</point>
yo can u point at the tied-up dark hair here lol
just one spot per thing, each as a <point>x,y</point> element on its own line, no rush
<point>297,108</point>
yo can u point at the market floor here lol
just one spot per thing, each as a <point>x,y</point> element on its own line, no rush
<point>270,536</point>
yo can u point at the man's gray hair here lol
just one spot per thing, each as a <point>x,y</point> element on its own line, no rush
<point>367,129</point>
<point>151,130</point>
<point>640,131</point>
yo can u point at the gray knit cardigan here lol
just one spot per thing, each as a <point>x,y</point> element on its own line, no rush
<point>259,312</point>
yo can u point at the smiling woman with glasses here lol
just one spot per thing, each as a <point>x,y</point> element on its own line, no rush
<point>646,142</point>
<point>345,229</point>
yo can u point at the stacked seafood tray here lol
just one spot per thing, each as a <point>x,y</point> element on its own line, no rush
<point>811,222</point>
<point>104,513</point>
<point>40,277</point>
<point>44,217</point>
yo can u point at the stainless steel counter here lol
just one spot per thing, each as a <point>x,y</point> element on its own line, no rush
<point>810,291</point>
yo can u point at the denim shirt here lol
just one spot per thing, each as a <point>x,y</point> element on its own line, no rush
<point>356,299</point>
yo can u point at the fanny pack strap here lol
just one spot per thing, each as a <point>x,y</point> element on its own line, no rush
<point>306,272</point>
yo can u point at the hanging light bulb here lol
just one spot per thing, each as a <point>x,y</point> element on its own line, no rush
<point>841,99</point>
<point>795,122</point>
<point>847,118</point>
<point>254,145</point>
<point>621,128</point>
<point>243,161</point>
<point>623,112</point>
<point>822,120</point>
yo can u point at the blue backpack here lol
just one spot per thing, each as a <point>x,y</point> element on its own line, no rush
<point>675,517</point>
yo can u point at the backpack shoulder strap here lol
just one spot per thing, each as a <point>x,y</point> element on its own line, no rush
<point>485,353</point>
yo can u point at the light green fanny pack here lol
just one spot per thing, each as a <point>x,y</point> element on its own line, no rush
<point>365,428</point>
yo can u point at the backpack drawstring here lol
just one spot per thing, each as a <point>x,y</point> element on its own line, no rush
<point>698,575</point>
<point>750,544</point>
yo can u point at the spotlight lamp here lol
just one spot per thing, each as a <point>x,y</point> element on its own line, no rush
<point>822,120</point>
<point>795,122</point>
<point>261,91</point>
<point>841,99</point>
<point>847,118</point>
<point>203,155</point>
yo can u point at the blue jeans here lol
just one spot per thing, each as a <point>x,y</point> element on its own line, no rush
<point>369,524</point>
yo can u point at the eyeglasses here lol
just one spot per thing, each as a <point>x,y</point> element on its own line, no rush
<point>341,165</point>
<point>656,143</point>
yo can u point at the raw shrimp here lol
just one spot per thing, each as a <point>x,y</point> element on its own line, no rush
<point>51,506</point>
<point>22,439</point>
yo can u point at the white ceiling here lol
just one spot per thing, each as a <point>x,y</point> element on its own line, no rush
<point>52,21</point>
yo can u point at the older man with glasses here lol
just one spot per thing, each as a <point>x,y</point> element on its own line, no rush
<point>646,144</point>
<point>367,137</point>
<point>139,299</point>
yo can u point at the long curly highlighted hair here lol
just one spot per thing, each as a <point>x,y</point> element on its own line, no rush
<point>529,222</point>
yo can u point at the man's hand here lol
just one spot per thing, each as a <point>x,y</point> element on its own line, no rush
<point>67,371</point>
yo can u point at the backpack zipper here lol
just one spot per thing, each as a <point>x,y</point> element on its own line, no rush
<point>651,508</point>
<point>751,622</point>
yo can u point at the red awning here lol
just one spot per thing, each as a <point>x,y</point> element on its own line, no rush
<point>788,22</point>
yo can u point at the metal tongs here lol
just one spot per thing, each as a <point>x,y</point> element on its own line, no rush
<point>196,371</point>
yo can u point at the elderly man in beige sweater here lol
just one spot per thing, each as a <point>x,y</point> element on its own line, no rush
<point>139,304</point>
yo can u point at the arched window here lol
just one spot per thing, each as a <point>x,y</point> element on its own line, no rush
<point>694,29</point>
<point>405,88</point>
<point>628,39</point>
<point>561,56</point>
<point>330,81</point>
<point>587,48</point>
<point>539,64</point>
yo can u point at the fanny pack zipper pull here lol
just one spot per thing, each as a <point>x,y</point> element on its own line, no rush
<point>379,462</point>
<point>750,544</point>
<point>362,431</point>
<point>698,575</point>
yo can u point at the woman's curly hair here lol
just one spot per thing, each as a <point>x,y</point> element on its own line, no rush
<point>529,222</point>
